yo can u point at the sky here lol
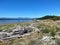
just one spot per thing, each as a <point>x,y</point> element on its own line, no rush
<point>29,8</point>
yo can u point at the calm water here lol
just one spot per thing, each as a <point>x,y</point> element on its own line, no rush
<point>12,21</point>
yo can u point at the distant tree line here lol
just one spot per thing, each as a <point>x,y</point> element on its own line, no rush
<point>49,17</point>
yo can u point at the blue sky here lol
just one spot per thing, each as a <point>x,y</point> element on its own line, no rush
<point>29,8</point>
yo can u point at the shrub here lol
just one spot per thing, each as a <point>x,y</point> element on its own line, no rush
<point>52,33</point>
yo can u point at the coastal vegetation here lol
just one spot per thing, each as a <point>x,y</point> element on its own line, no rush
<point>7,26</point>
<point>49,17</point>
<point>36,32</point>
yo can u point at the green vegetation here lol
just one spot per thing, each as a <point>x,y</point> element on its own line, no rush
<point>11,26</point>
<point>7,26</point>
<point>52,33</point>
<point>48,27</point>
<point>49,17</point>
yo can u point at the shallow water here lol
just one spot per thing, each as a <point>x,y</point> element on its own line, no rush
<point>12,21</point>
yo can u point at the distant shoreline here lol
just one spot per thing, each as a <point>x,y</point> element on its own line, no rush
<point>16,18</point>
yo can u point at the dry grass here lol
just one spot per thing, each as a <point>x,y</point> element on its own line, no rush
<point>44,26</point>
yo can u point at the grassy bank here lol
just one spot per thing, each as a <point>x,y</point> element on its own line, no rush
<point>46,27</point>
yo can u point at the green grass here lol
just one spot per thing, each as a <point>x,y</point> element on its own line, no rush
<point>7,26</point>
<point>47,27</point>
<point>10,26</point>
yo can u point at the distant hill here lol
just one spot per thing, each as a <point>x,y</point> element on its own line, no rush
<point>49,17</point>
